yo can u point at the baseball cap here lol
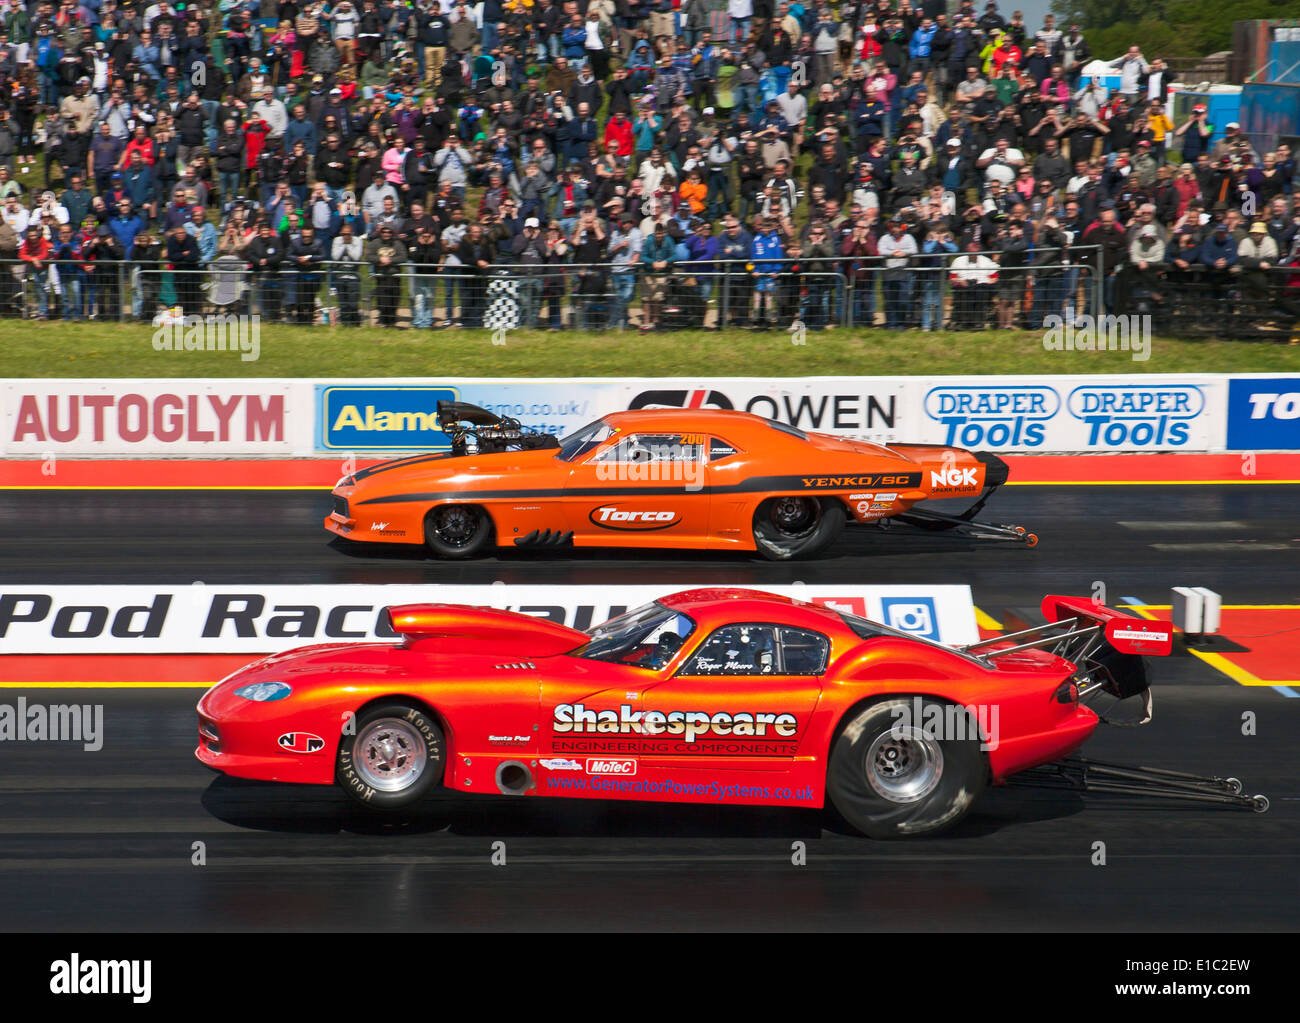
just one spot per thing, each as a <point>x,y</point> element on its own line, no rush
<point>1199,108</point>
<point>532,222</point>
<point>954,143</point>
<point>708,111</point>
<point>1232,124</point>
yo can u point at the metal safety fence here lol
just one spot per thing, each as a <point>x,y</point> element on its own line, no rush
<point>972,291</point>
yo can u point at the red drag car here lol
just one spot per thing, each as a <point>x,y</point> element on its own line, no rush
<point>706,696</point>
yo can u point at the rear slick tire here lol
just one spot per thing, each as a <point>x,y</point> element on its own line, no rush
<point>786,528</point>
<point>892,777</point>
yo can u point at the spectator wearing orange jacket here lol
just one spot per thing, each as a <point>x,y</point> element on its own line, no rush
<point>693,192</point>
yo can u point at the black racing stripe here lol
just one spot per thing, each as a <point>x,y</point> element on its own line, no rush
<point>807,484</point>
<point>398,463</point>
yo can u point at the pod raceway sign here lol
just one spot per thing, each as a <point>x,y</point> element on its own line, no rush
<point>203,619</point>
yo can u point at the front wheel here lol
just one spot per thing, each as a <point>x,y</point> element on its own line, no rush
<point>457,530</point>
<point>795,527</point>
<point>392,756</point>
<point>891,776</point>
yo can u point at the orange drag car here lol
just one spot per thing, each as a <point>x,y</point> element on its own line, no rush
<point>673,478</point>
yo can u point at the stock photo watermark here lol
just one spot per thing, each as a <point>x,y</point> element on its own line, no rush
<point>214,332</point>
<point>680,462</point>
<point>1105,333</point>
<point>949,722</point>
<point>60,722</point>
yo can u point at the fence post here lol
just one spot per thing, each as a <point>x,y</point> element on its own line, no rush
<point>940,317</point>
<point>1099,286</point>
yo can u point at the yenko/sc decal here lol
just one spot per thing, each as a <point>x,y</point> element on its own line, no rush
<point>911,479</point>
<point>1014,415</point>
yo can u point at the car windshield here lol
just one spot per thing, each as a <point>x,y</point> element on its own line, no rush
<point>575,445</point>
<point>646,637</point>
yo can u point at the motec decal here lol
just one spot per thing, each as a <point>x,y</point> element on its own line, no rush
<point>300,742</point>
<point>576,719</point>
<point>608,766</point>
<point>611,516</point>
<point>903,480</point>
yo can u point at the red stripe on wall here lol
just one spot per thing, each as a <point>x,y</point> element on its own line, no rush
<point>311,473</point>
<point>120,669</point>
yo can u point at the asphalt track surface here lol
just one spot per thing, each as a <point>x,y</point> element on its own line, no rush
<point>1241,540</point>
<point>103,841</point>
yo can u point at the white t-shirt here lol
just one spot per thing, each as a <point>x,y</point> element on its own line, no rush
<point>740,8</point>
<point>1002,172</point>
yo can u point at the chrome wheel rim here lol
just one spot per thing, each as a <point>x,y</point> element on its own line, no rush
<point>390,755</point>
<point>904,764</point>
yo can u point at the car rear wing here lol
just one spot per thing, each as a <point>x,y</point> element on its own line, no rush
<point>1106,646</point>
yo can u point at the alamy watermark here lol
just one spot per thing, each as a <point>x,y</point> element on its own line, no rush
<point>60,722</point>
<point>1106,333</point>
<point>949,722</point>
<point>215,332</point>
<point>680,462</point>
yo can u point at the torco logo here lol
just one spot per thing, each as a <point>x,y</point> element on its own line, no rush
<point>300,742</point>
<point>1144,415</point>
<point>611,516</point>
<point>1011,416</point>
<point>619,767</point>
<point>689,724</point>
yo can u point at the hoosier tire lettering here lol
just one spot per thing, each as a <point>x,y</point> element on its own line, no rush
<point>394,757</point>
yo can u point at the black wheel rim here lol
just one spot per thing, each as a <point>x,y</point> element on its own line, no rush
<point>794,516</point>
<point>455,526</point>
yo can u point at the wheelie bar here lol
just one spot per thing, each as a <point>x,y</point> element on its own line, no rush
<point>924,518</point>
<point>1079,774</point>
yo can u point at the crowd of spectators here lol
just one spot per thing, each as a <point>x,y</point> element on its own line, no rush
<point>781,159</point>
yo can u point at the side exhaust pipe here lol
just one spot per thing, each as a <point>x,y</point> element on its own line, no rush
<point>514,778</point>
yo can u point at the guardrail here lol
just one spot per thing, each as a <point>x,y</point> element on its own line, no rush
<point>930,292</point>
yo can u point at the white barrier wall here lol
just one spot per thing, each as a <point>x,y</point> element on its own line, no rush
<point>211,619</point>
<point>252,418</point>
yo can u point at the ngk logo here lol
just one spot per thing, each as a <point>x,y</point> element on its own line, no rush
<point>612,517</point>
<point>953,478</point>
<point>620,767</point>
